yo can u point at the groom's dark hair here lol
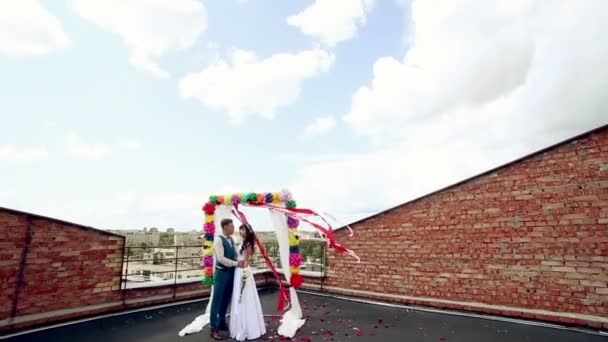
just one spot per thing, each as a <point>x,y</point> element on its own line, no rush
<point>225,222</point>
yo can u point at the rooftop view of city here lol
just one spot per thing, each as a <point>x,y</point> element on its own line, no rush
<point>311,170</point>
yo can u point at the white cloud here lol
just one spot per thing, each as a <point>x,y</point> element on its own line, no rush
<point>27,29</point>
<point>150,28</point>
<point>332,21</point>
<point>485,82</point>
<point>249,86</point>
<point>320,126</point>
<point>33,154</point>
<point>509,59</point>
<point>80,149</point>
<point>129,144</point>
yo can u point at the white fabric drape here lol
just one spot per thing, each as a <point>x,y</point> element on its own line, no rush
<point>292,319</point>
<point>221,212</point>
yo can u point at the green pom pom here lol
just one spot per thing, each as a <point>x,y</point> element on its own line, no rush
<point>249,197</point>
<point>290,204</point>
<point>207,280</point>
<point>213,199</point>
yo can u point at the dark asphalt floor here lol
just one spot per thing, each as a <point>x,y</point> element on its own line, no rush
<point>327,320</point>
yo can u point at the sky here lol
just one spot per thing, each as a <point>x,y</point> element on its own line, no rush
<point>124,114</point>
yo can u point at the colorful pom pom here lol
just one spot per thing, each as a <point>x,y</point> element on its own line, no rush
<point>209,208</point>
<point>207,280</point>
<point>293,240</point>
<point>296,280</point>
<point>295,259</point>
<point>292,222</point>
<point>294,270</point>
<point>290,204</point>
<point>209,271</point>
<point>208,261</point>
<point>268,198</point>
<point>276,198</point>
<point>213,199</point>
<point>294,249</point>
<point>228,200</point>
<point>208,251</point>
<point>209,218</point>
<point>236,199</point>
<point>209,227</point>
<point>285,195</point>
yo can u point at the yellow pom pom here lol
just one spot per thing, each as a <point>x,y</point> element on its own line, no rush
<point>208,243</point>
<point>276,197</point>
<point>293,241</point>
<point>228,200</point>
<point>295,270</point>
<point>209,218</point>
<point>208,251</point>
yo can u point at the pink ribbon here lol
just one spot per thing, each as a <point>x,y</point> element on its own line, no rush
<point>299,213</point>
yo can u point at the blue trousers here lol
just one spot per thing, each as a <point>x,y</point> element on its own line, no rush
<point>222,295</point>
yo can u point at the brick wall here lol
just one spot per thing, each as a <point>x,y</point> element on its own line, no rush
<point>65,266</point>
<point>69,271</point>
<point>529,239</point>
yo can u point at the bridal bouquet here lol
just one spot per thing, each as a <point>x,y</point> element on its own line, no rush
<point>246,274</point>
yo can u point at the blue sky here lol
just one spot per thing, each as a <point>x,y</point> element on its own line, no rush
<point>410,98</point>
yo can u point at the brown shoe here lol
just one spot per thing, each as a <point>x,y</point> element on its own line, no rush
<point>217,336</point>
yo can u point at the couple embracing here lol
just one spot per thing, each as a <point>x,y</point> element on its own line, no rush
<point>233,284</point>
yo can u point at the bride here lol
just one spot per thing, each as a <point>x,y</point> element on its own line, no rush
<point>246,317</point>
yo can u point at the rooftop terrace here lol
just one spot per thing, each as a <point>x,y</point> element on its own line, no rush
<point>328,319</point>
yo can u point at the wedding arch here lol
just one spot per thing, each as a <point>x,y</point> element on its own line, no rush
<point>285,217</point>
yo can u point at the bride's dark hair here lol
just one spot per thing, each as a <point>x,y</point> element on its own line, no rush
<point>249,240</point>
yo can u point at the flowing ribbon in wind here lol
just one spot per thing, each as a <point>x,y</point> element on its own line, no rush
<point>301,214</point>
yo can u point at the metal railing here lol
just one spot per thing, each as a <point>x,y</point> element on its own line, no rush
<point>160,265</point>
<point>146,266</point>
<point>313,253</point>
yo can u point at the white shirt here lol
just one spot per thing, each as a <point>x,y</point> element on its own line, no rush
<point>218,246</point>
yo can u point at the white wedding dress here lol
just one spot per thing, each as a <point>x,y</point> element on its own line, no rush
<point>246,317</point>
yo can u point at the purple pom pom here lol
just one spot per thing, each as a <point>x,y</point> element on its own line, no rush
<point>208,260</point>
<point>269,198</point>
<point>292,222</point>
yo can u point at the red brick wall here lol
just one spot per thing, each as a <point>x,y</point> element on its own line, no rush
<point>531,235</point>
<point>70,272</point>
<point>66,266</point>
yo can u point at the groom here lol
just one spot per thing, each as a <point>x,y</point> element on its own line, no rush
<point>223,278</point>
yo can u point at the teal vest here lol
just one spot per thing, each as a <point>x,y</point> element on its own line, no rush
<point>229,251</point>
